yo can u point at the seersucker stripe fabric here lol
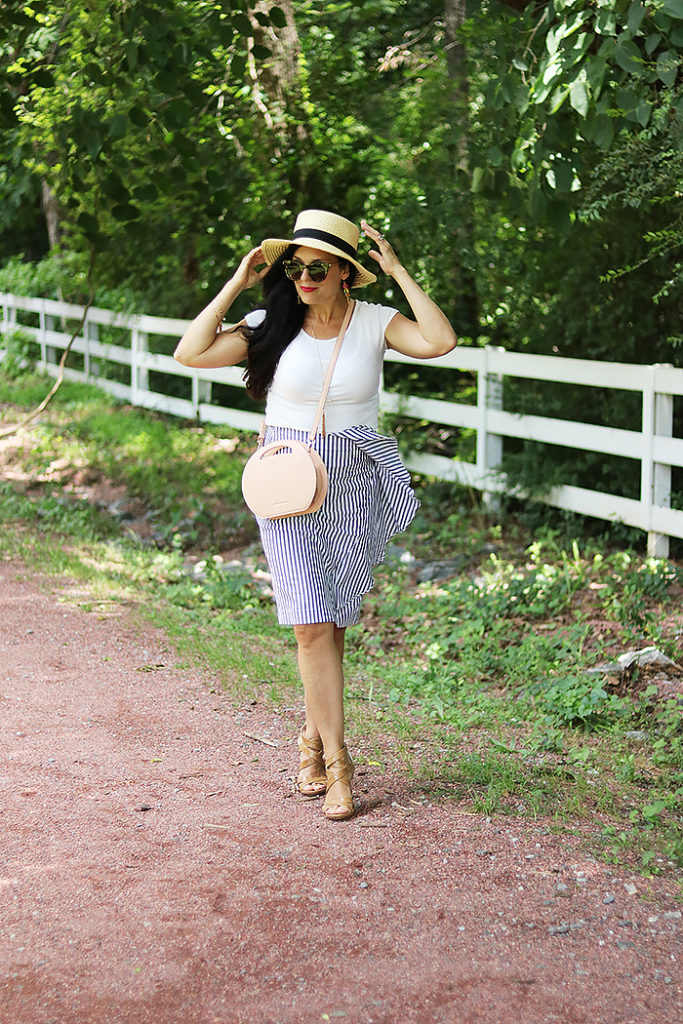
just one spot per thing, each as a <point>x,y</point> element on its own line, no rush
<point>321,564</point>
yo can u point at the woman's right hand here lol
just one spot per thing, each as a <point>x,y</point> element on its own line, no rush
<point>246,275</point>
<point>204,344</point>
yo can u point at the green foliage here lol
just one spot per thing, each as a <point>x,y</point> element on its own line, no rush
<point>587,71</point>
<point>217,587</point>
<point>179,473</point>
<point>135,149</point>
<point>643,172</point>
<point>116,109</point>
<point>55,513</point>
<point>45,278</point>
<point>21,351</point>
<point>589,189</point>
<point>576,701</point>
<point>63,275</point>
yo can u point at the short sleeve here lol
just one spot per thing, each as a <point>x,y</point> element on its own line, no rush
<point>376,319</point>
<point>255,318</point>
<point>386,315</point>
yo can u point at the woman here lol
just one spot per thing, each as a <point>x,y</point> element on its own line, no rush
<point>321,563</point>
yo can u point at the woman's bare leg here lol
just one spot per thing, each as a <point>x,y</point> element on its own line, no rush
<point>320,652</point>
<point>320,656</point>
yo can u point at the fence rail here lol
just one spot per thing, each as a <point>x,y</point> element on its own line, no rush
<point>653,446</point>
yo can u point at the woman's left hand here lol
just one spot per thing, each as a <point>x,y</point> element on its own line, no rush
<point>384,254</point>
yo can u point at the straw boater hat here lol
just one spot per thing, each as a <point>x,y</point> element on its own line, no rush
<point>326,231</point>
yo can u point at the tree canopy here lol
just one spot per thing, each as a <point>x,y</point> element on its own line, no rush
<point>525,156</point>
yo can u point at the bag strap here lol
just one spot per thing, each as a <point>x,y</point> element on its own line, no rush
<point>330,370</point>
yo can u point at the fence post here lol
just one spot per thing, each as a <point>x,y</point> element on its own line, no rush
<point>9,315</point>
<point>139,375</point>
<point>48,353</point>
<point>41,330</point>
<point>489,446</point>
<point>5,314</point>
<point>663,422</point>
<point>5,326</point>
<point>201,393</point>
<point>90,333</point>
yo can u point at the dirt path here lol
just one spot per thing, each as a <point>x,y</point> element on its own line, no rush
<point>155,867</point>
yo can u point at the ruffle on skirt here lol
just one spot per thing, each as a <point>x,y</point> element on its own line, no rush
<point>321,564</point>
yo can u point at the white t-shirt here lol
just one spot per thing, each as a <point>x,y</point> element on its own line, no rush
<point>353,398</point>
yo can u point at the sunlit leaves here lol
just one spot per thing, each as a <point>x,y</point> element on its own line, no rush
<point>589,71</point>
<point>201,129</point>
<point>578,95</point>
<point>123,87</point>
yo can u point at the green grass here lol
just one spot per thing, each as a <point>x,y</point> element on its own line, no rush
<point>183,474</point>
<point>478,687</point>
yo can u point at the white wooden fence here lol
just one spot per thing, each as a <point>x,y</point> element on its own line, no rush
<point>127,350</point>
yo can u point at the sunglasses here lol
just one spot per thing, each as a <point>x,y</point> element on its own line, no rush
<point>317,270</point>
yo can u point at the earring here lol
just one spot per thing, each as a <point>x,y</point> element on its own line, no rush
<point>298,299</point>
<point>346,291</point>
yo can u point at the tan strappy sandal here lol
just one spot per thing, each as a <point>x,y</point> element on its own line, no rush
<point>311,780</point>
<point>339,768</point>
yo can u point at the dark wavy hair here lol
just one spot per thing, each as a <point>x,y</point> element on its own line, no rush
<point>283,320</point>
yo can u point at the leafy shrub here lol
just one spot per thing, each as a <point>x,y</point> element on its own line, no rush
<point>56,513</point>
<point>21,353</point>
<point>216,586</point>
<point>580,701</point>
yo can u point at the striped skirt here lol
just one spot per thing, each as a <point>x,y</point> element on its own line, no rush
<point>321,564</point>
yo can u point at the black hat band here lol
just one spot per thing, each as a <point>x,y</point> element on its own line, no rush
<point>326,236</point>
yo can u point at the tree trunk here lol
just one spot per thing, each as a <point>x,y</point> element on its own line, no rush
<point>277,78</point>
<point>281,74</point>
<point>275,92</point>
<point>51,212</point>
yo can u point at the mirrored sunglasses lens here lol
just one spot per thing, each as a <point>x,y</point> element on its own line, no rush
<point>293,270</point>
<point>318,271</point>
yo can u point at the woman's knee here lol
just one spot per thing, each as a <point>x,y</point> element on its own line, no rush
<point>314,633</point>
